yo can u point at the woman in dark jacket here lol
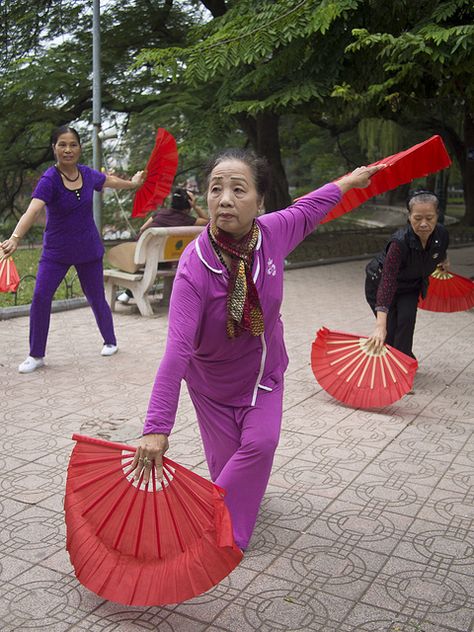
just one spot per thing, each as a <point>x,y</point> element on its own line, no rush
<point>396,277</point>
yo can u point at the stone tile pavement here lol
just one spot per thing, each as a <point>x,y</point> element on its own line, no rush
<point>367,524</point>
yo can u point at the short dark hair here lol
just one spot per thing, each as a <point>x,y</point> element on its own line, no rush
<point>64,129</point>
<point>422,196</point>
<point>180,199</point>
<point>257,164</point>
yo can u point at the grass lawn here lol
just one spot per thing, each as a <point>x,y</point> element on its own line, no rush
<point>339,238</point>
<point>26,261</point>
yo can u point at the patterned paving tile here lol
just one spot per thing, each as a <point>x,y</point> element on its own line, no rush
<point>367,524</point>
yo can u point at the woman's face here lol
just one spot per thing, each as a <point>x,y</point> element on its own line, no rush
<point>67,150</point>
<point>232,197</point>
<point>423,219</point>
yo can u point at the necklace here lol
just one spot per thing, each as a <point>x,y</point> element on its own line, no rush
<point>67,177</point>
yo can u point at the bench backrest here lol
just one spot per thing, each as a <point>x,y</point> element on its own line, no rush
<point>157,244</point>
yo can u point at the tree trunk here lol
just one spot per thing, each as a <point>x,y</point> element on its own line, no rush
<point>268,145</point>
<point>467,170</point>
<point>262,132</point>
<point>464,151</point>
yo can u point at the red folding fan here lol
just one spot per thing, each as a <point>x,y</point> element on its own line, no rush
<point>448,292</point>
<point>9,277</point>
<point>160,172</point>
<point>144,545</point>
<point>415,162</point>
<point>357,377</point>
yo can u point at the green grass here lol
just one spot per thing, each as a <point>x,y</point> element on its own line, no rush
<point>347,240</point>
<point>26,261</point>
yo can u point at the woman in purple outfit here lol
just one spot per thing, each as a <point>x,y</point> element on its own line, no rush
<point>70,238</point>
<point>225,335</point>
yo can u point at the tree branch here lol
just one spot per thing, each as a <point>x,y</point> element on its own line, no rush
<point>216,7</point>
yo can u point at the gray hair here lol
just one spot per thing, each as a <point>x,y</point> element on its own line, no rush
<point>423,197</point>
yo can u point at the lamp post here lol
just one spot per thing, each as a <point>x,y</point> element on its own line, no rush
<point>96,107</point>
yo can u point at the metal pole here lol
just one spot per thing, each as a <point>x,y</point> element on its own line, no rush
<point>96,107</point>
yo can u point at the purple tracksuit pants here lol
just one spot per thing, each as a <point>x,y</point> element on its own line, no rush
<point>50,274</point>
<point>239,444</point>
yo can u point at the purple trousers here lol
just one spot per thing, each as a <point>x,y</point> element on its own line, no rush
<point>49,276</point>
<point>239,444</point>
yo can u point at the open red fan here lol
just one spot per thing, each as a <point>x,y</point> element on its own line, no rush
<point>9,277</point>
<point>415,162</point>
<point>160,173</point>
<point>357,377</point>
<point>144,545</point>
<point>448,292</point>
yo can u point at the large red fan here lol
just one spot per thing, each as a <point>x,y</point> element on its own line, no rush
<point>160,172</point>
<point>9,277</point>
<point>349,372</point>
<point>144,545</point>
<point>415,162</point>
<point>448,292</point>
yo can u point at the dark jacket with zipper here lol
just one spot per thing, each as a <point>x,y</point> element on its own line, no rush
<point>417,262</point>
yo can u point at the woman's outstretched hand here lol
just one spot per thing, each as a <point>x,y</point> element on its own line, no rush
<point>8,247</point>
<point>152,448</point>
<point>139,178</point>
<point>375,342</point>
<point>359,178</point>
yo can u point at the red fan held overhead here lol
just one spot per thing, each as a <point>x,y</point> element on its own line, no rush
<point>357,377</point>
<point>160,173</point>
<point>143,545</point>
<point>9,277</point>
<point>448,292</point>
<point>416,162</point>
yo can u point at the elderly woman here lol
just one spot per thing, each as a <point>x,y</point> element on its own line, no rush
<point>225,335</point>
<point>396,277</point>
<point>70,239</point>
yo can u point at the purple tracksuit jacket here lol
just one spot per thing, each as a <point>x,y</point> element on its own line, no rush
<point>230,371</point>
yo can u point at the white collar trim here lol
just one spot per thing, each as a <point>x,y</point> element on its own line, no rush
<point>200,255</point>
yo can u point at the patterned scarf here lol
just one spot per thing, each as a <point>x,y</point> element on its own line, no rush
<point>244,312</point>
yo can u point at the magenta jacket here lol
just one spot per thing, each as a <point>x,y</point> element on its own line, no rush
<point>230,371</point>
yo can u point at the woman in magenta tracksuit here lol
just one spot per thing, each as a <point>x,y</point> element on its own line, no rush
<point>225,335</point>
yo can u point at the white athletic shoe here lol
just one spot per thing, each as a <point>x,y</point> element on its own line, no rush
<point>123,298</point>
<point>108,350</point>
<point>30,365</point>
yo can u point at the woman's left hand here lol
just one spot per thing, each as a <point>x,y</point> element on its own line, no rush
<point>139,178</point>
<point>359,178</point>
<point>444,265</point>
<point>150,453</point>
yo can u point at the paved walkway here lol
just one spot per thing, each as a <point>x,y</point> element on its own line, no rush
<point>367,524</point>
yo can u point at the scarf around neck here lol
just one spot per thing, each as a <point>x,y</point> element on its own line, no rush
<point>244,312</point>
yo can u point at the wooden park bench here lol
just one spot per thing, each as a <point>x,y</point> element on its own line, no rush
<point>136,263</point>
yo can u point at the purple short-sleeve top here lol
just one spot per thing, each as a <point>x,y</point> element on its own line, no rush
<point>71,235</point>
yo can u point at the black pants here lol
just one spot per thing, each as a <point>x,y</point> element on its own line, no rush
<point>401,317</point>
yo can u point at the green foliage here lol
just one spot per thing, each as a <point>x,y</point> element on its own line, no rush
<point>249,33</point>
<point>380,137</point>
<point>433,58</point>
<point>46,82</point>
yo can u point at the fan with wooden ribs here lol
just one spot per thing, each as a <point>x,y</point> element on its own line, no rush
<point>347,370</point>
<point>416,162</point>
<point>138,544</point>
<point>160,172</point>
<point>9,277</point>
<point>448,292</point>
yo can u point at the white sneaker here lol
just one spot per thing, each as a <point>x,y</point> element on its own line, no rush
<point>108,350</point>
<point>30,365</point>
<point>123,298</point>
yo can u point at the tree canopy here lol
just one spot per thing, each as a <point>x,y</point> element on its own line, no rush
<point>262,74</point>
